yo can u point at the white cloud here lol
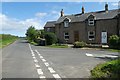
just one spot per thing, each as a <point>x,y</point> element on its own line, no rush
<point>40,14</point>
<point>18,26</point>
<point>114,4</point>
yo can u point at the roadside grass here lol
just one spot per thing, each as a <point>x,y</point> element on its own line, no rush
<point>33,43</point>
<point>6,39</point>
<point>113,50</point>
<point>110,69</point>
<point>58,46</point>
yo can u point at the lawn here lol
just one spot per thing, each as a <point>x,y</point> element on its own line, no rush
<point>6,39</point>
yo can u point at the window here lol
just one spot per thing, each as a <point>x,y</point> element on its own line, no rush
<point>91,35</point>
<point>66,23</point>
<point>48,29</point>
<point>66,36</point>
<point>91,22</point>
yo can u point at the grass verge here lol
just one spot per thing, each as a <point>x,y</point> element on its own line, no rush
<point>6,39</point>
<point>109,69</point>
<point>113,50</point>
<point>58,46</point>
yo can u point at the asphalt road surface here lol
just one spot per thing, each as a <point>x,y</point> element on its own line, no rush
<point>22,60</point>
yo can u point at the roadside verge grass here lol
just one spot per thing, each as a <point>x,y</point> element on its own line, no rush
<point>109,69</point>
<point>6,39</point>
<point>58,46</point>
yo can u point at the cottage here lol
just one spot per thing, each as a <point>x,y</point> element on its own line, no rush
<point>92,27</point>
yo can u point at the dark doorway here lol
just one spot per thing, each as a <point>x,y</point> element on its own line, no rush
<point>76,36</point>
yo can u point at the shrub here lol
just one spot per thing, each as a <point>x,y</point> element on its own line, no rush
<point>114,41</point>
<point>78,44</point>
<point>50,38</point>
<point>109,69</point>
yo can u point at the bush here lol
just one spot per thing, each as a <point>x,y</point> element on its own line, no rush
<point>50,38</point>
<point>114,41</point>
<point>78,44</point>
<point>109,69</point>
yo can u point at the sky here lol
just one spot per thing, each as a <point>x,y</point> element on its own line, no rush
<point>17,17</point>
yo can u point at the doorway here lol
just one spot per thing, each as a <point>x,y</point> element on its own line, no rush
<point>76,36</point>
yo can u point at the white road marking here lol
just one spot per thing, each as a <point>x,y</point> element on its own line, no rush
<point>37,66</point>
<point>35,60</point>
<point>34,57</point>
<point>51,70</point>
<point>36,51</point>
<point>41,56</point>
<point>42,77</point>
<point>40,71</point>
<point>111,56</point>
<point>89,54</point>
<point>43,60</point>
<point>46,64</point>
<point>56,76</point>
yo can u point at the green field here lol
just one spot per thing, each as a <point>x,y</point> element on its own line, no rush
<point>6,39</point>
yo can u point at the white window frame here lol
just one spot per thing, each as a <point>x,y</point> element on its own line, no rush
<point>48,29</point>
<point>66,23</point>
<point>66,35</point>
<point>90,21</point>
<point>91,35</point>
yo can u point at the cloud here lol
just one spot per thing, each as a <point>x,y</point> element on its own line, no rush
<point>18,26</point>
<point>114,4</point>
<point>40,14</point>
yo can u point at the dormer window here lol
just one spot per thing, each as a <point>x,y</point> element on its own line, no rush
<point>90,22</point>
<point>66,23</point>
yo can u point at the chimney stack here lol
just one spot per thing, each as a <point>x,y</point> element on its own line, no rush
<point>62,13</point>
<point>106,7</point>
<point>83,10</point>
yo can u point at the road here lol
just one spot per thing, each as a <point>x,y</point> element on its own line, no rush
<point>22,60</point>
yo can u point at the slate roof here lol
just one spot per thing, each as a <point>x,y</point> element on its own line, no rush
<point>82,17</point>
<point>50,24</point>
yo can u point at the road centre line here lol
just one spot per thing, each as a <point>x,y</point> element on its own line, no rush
<point>43,60</point>
<point>46,64</point>
<point>56,76</point>
<point>37,66</point>
<point>40,72</point>
<point>41,57</point>
<point>51,69</point>
<point>42,77</point>
<point>34,57</point>
<point>35,60</point>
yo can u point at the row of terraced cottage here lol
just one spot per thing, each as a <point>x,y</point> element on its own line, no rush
<point>92,27</point>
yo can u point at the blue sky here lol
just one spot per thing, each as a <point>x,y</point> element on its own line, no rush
<point>18,16</point>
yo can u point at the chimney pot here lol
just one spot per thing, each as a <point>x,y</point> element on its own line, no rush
<point>106,7</point>
<point>62,13</point>
<point>83,10</point>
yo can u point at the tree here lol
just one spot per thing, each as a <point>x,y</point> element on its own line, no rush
<point>50,38</point>
<point>31,34</point>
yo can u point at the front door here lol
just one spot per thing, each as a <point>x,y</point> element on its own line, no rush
<point>76,36</point>
<point>103,37</point>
